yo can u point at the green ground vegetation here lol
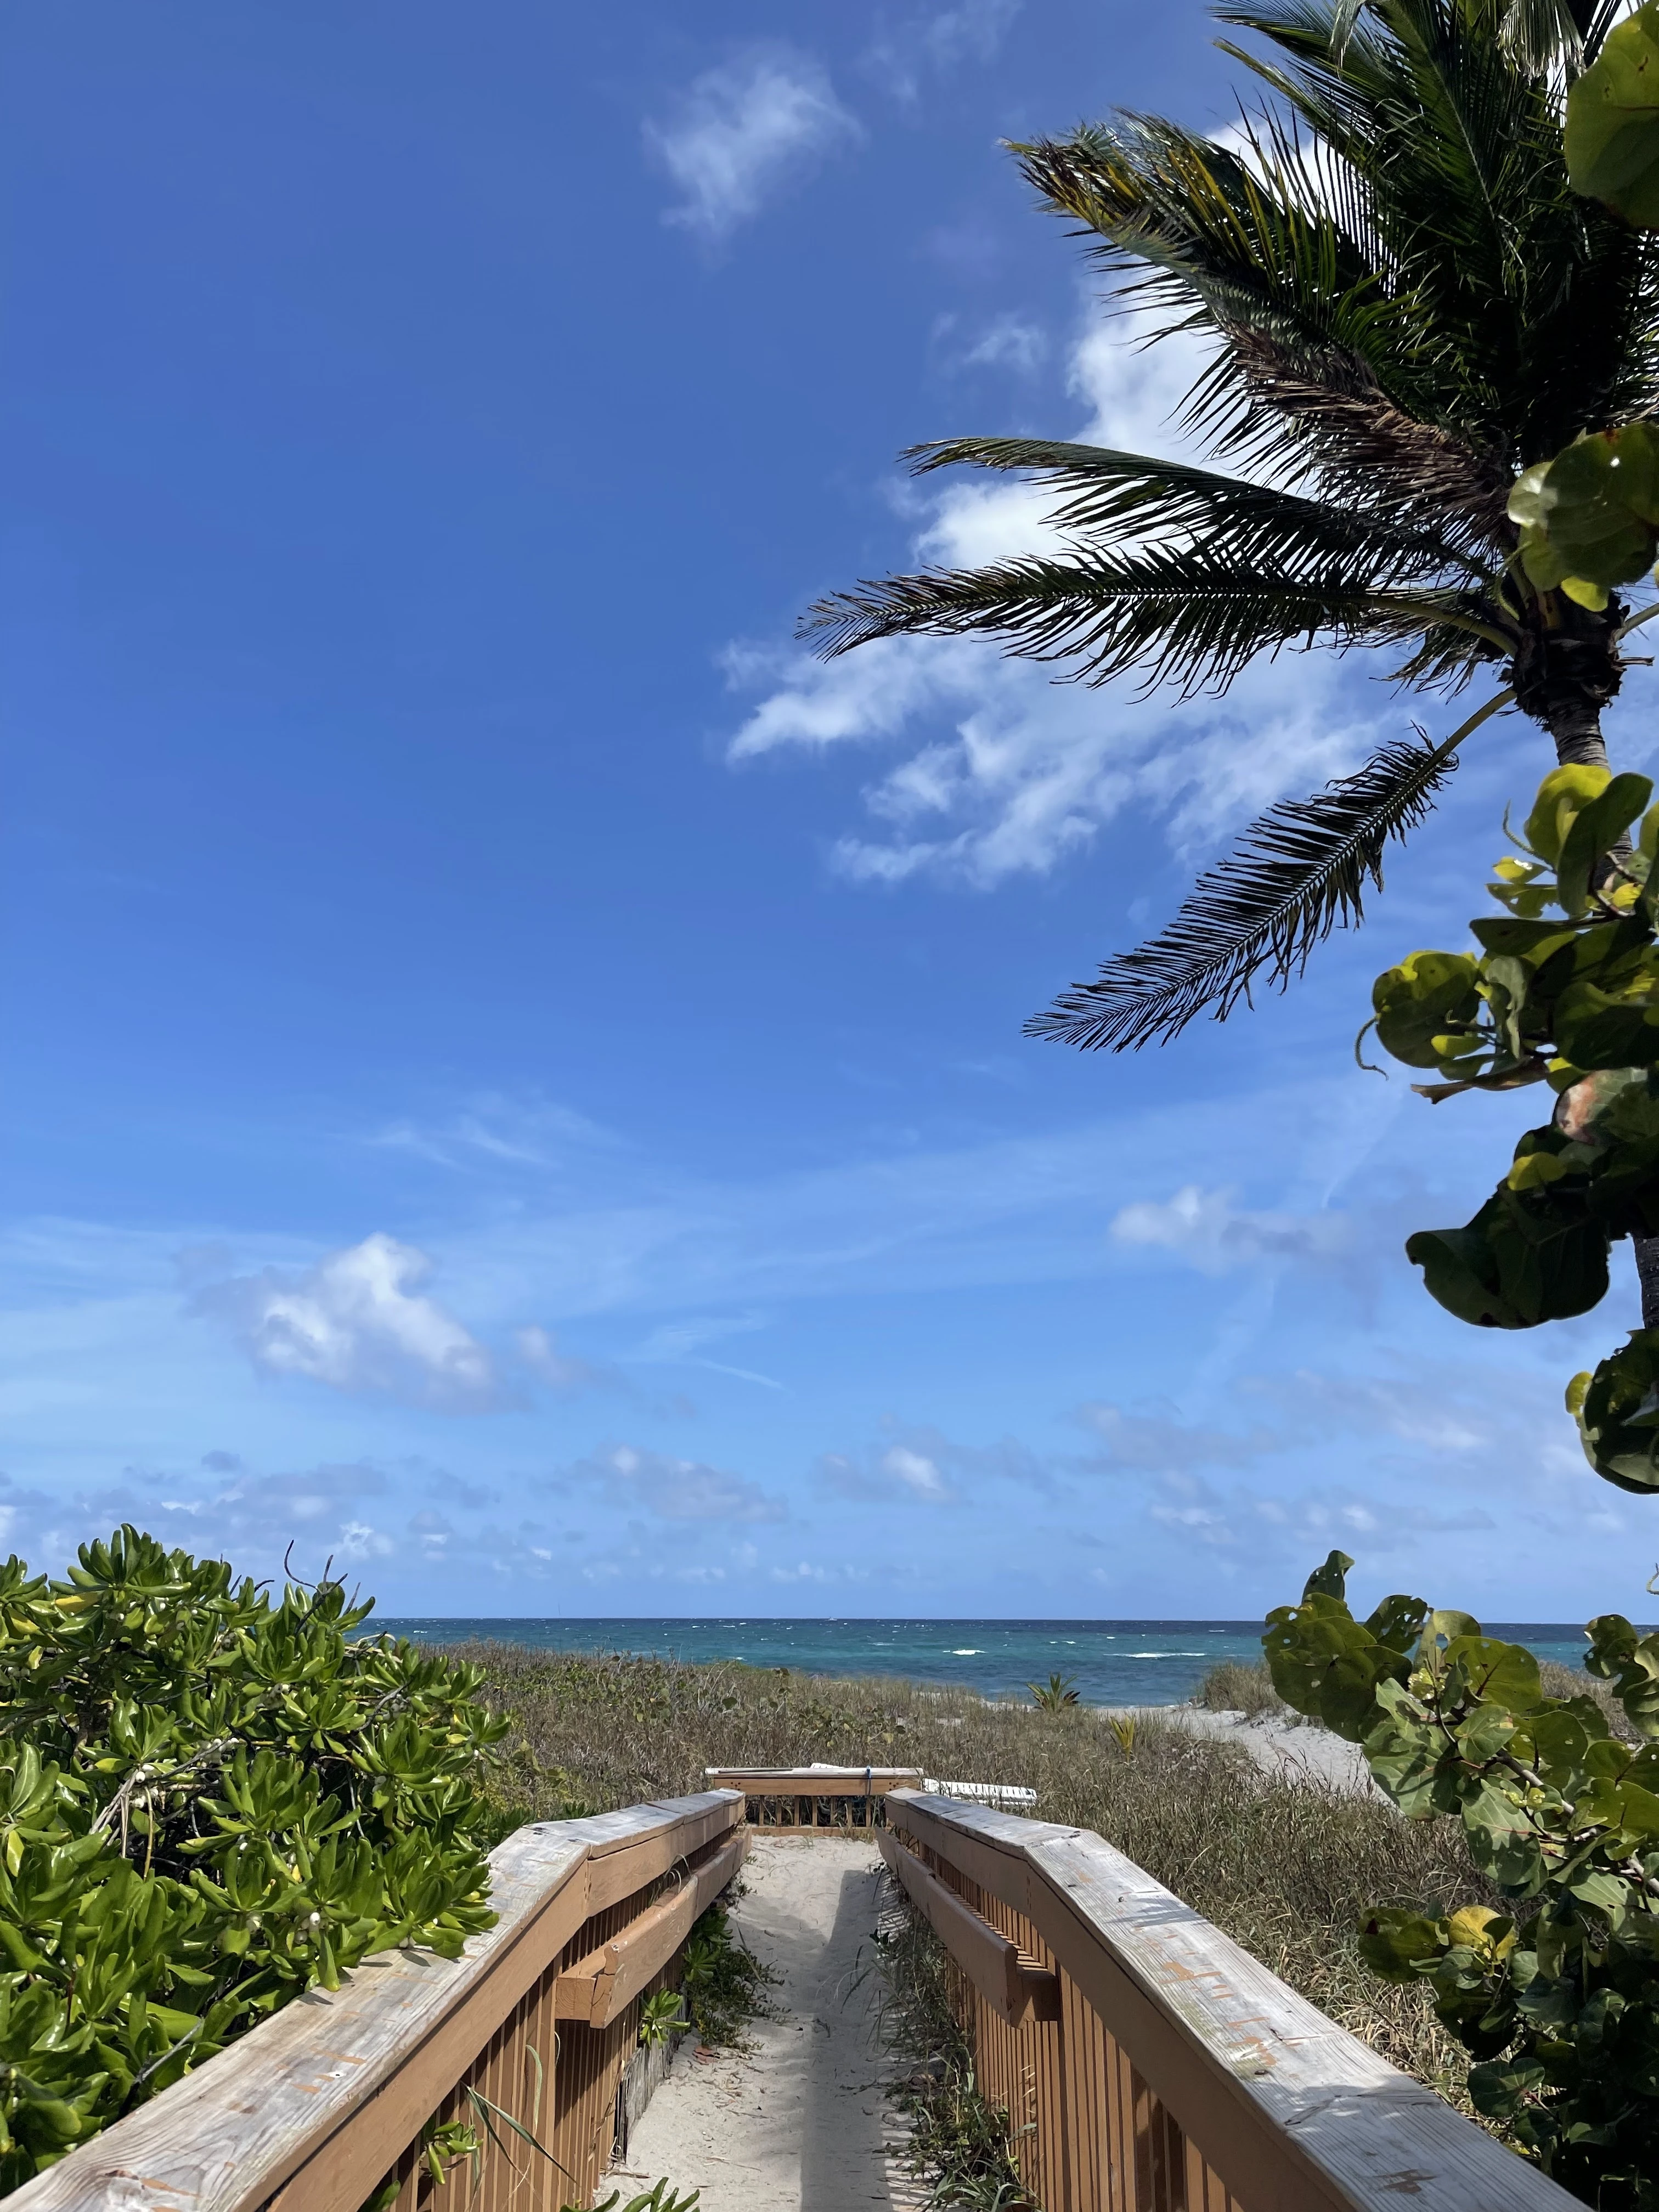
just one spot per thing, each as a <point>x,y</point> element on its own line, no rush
<point>723,1983</point>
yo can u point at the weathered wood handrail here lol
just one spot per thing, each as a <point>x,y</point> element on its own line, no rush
<point>1015,1987</point>
<point>596,1989</point>
<point>813,1796</point>
<point>1175,2072</point>
<point>320,2104</point>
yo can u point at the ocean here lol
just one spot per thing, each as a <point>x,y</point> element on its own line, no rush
<point>1111,1662</point>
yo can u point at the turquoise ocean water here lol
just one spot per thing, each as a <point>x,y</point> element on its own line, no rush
<point>1113,1663</point>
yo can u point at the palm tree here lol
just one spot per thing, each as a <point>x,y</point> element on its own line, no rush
<point>1407,304</point>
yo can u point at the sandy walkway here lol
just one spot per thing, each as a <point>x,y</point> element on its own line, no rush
<point>798,2124</point>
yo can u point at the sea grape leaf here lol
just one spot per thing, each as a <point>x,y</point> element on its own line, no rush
<point>1617,1411</point>
<point>1613,122</point>
<point>1427,995</point>
<point>1588,515</point>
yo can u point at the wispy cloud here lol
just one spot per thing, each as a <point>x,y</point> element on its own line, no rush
<point>904,52</point>
<point>358,1322</point>
<point>676,1489</point>
<point>679,1344</point>
<point>1158,1442</point>
<point>743,134</point>
<point>538,1351</point>
<point>1209,1232</point>
<point>494,1131</point>
<point>1010,343</point>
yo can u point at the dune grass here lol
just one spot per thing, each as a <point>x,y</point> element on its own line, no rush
<point>1285,1864</point>
<point>1235,1685</point>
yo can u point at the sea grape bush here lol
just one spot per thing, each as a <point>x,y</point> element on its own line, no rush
<point>1557,1993</point>
<point>1563,990</point>
<point>211,1799</point>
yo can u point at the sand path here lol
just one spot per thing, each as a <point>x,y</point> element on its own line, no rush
<point>796,2124</point>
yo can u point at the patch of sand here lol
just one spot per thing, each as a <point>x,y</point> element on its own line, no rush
<point>1293,1750</point>
<point>798,2123</point>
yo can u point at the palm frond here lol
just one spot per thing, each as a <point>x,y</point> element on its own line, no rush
<point>1105,492</point>
<point>1217,242</point>
<point>1358,443</point>
<point>1297,873</point>
<point>1540,302</point>
<point>1173,615</point>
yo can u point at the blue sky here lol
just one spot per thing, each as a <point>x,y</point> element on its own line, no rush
<point>512,1074</point>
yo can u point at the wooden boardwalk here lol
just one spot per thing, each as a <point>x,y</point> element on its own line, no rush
<point>1148,2063</point>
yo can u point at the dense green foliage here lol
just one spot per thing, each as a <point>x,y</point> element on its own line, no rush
<point>1552,1988</point>
<point>210,1799</point>
<point>1563,990</point>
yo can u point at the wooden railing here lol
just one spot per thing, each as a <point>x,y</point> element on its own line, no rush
<point>1147,2063</point>
<point>845,1798</point>
<point>328,2101</point>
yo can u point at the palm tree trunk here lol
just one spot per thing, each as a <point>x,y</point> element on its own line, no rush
<point>1576,726</point>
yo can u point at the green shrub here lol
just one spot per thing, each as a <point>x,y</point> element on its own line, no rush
<point>210,1802</point>
<point>1550,1983</point>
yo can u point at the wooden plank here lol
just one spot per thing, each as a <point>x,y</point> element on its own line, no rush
<point>1015,1987</point>
<point>816,1781</point>
<point>1290,2109</point>
<point>307,2112</point>
<point>600,1986</point>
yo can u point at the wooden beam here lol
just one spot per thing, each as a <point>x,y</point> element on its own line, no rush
<point>311,2109</point>
<point>1017,1988</point>
<point>600,1987</point>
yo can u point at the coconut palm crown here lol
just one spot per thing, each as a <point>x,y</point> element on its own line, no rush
<point>1405,305</point>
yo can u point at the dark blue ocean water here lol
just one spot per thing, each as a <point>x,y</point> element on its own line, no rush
<point>1112,1662</point>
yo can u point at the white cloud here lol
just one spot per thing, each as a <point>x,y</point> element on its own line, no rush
<point>1007,771</point>
<point>1205,1229</point>
<point>922,1464</point>
<point>743,132</point>
<point>358,1322</point>
<point>917,1472</point>
<point>678,1489</point>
